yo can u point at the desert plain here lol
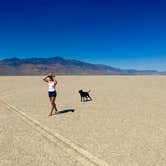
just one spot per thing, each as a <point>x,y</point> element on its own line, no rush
<point>124,124</point>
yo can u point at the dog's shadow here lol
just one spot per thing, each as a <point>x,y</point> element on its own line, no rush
<point>65,111</point>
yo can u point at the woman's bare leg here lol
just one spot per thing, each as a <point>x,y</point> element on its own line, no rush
<point>53,105</point>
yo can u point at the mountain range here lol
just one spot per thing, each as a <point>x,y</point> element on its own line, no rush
<point>61,66</point>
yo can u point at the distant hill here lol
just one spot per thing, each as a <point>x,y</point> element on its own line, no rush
<point>58,65</point>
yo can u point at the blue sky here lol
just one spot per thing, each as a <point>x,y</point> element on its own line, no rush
<point>120,33</point>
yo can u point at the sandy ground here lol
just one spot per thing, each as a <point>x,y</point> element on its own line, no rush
<point>124,125</point>
<point>21,145</point>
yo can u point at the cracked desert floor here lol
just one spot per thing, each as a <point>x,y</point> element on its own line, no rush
<point>124,124</point>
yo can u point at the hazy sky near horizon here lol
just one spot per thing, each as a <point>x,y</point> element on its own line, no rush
<point>120,33</point>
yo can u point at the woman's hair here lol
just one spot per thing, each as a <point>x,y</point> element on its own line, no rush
<point>51,78</point>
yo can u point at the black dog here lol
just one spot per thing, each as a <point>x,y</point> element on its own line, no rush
<point>84,95</point>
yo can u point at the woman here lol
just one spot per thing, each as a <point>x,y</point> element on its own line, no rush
<point>51,91</point>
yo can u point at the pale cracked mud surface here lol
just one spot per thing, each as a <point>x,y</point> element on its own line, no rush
<point>124,125</point>
<point>21,145</point>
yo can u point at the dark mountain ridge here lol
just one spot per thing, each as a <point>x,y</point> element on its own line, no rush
<point>59,65</point>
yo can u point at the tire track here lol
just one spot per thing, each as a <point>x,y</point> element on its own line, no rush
<point>76,152</point>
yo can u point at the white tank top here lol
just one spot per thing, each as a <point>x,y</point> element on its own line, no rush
<point>51,86</point>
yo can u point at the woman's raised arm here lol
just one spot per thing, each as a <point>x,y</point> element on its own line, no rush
<point>45,78</point>
<point>55,81</point>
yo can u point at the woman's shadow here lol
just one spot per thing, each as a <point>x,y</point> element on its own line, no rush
<point>65,111</point>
